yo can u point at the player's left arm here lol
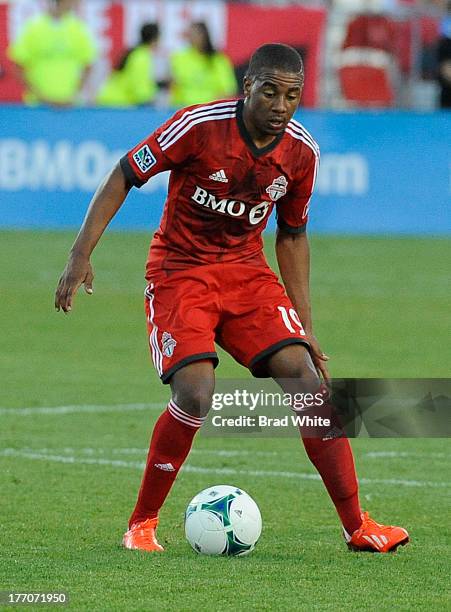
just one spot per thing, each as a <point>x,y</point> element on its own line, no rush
<point>293,257</point>
<point>292,246</point>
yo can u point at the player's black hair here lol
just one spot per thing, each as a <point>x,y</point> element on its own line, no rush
<point>149,33</point>
<point>207,47</point>
<point>275,56</point>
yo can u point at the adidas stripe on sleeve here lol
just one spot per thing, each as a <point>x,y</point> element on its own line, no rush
<point>292,210</point>
<point>174,143</point>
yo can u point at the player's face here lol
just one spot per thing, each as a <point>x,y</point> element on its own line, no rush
<point>272,97</point>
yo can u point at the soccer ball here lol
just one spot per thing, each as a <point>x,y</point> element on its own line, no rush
<point>223,520</point>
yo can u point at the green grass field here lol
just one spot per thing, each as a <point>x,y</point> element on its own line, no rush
<point>69,478</point>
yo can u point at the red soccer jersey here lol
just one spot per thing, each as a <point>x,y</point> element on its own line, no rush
<point>222,188</point>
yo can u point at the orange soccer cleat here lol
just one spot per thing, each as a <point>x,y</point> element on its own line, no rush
<point>374,537</point>
<point>141,536</point>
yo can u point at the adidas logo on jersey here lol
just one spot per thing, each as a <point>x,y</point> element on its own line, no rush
<point>166,467</point>
<point>220,176</point>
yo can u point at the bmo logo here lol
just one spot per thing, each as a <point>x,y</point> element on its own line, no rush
<point>232,208</point>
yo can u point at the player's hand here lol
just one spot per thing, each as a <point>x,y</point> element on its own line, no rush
<point>319,358</point>
<point>78,271</point>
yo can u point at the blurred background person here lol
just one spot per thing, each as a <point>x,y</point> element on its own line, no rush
<point>133,82</point>
<point>199,72</point>
<point>444,62</point>
<point>53,55</point>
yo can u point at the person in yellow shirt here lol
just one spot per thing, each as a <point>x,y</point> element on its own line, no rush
<point>53,54</point>
<point>200,73</point>
<point>132,82</point>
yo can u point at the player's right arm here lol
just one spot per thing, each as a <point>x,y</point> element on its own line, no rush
<point>107,200</point>
<point>171,145</point>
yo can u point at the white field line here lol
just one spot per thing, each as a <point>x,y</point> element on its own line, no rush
<point>143,451</point>
<point>80,408</point>
<point>28,454</point>
<point>70,459</point>
<point>233,453</point>
<point>404,455</point>
<point>105,408</point>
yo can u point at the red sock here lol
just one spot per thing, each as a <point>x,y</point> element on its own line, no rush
<point>334,461</point>
<point>170,444</point>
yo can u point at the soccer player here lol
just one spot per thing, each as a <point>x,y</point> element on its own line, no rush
<point>231,163</point>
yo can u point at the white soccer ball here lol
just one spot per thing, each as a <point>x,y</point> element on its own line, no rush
<point>223,520</point>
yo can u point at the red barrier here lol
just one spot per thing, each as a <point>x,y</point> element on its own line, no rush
<point>10,88</point>
<point>250,26</point>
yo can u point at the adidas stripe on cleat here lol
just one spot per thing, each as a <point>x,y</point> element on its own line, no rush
<point>375,537</point>
<point>141,536</point>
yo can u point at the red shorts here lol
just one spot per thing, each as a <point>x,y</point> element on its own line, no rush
<point>242,308</point>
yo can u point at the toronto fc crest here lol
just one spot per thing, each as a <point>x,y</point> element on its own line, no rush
<point>168,343</point>
<point>278,188</point>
